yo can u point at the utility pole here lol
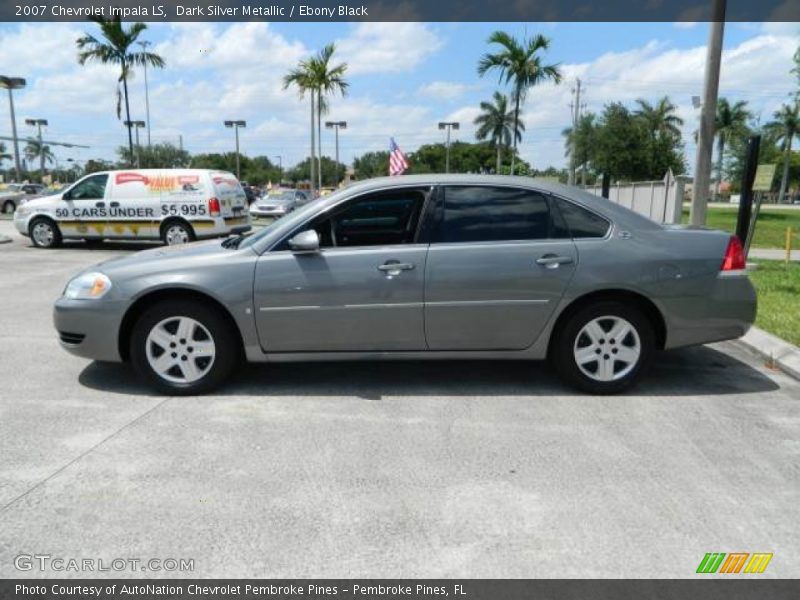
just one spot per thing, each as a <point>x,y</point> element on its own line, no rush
<point>576,115</point>
<point>336,125</point>
<point>38,124</point>
<point>705,135</point>
<point>13,83</point>
<point>236,125</point>
<point>144,44</point>
<point>449,125</point>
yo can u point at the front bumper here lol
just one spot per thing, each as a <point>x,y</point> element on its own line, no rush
<point>89,328</point>
<point>21,224</point>
<point>274,211</point>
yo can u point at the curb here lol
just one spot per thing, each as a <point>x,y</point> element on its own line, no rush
<point>779,353</point>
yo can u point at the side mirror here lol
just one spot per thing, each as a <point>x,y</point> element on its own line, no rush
<point>66,196</point>
<point>305,242</point>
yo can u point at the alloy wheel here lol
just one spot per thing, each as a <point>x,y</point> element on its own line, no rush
<point>607,348</point>
<point>180,349</point>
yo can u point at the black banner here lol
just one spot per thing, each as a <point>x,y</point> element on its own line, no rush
<point>400,589</point>
<point>396,10</point>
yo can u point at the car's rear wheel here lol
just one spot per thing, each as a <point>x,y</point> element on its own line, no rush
<point>604,348</point>
<point>9,207</point>
<point>177,232</point>
<point>183,348</point>
<point>45,233</point>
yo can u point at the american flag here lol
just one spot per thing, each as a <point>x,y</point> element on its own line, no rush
<point>397,160</point>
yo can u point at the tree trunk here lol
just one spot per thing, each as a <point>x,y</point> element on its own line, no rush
<point>787,154</point>
<point>720,154</point>
<point>311,164</point>
<point>499,158</point>
<point>319,138</point>
<point>516,125</point>
<point>127,112</point>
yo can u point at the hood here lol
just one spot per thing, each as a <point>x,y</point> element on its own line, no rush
<point>41,201</point>
<point>157,260</point>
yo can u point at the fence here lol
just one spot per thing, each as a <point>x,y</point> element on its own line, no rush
<point>660,201</point>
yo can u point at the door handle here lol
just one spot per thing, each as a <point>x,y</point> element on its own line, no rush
<point>114,204</point>
<point>393,267</point>
<point>552,261</point>
<point>100,204</point>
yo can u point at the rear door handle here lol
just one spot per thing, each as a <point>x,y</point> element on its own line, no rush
<point>99,204</point>
<point>114,204</point>
<point>393,267</point>
<point>552,261</point>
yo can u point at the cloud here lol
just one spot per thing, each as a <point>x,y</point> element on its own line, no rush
<point>444,90</point>
<point>387,47</point>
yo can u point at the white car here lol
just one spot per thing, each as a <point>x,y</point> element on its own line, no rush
<point>173,205</point>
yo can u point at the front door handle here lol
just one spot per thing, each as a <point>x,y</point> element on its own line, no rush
<point>393,267</point>
<point>114,204</point>
<point>100,204</point>
<point>553,261</point>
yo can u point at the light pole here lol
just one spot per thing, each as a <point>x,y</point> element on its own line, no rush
<point>336,125</point>
<point>38,123</point>
<point>144,44</point>
<point>137,125</point>
<point>280,170</point>
<point>236,125</point>
<point>449,125</point>
<point>13,83</point>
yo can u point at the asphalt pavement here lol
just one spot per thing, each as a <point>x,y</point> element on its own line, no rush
<point>445,469</point>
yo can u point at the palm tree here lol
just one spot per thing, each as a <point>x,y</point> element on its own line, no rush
<point>34,149</point>
<point>580,142</point>
<point>660,121</point>
<point>785,126</point>
<point>496,123</point>
<point>300,77</point>
<point>325,80</point>
<point>520,65</point>
<point>731,120</point>
<point>117,50</point>
<point>3,154</point>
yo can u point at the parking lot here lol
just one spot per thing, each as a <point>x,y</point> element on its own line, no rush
<point>473,469</point>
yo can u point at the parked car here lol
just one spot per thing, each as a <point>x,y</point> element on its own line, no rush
<point>173,205</point>
<point>17,194</point>
<point>422,267</point>
<point>277,203</point>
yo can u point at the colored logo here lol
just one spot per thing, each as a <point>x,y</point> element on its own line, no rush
<point>734,562</point>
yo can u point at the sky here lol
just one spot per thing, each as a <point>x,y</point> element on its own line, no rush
<point>404,79</point>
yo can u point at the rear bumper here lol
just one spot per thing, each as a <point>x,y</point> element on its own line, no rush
<point>89,328</point>
<point>725,311</point>
<point>221,226</point>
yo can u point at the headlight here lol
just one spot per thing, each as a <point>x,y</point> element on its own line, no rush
<point>24,211</point>
<point>88,286</point>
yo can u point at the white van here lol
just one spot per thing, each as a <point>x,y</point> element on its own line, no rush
<point>173,205</point>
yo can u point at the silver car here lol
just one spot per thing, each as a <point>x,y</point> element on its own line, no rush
<point>429,266</point>
<point>277,204</point>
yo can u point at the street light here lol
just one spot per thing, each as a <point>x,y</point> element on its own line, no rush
<point>38,123</point>
<point>13,83</point>
<point>144,44</point>
<point>280,170</point>
<point>336,125</point>
<point>137,125</point>
<point>236,125</point>
<point>449,125</point>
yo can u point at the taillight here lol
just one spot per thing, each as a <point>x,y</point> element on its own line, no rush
<point>734,256</point>
<point>213,207</point>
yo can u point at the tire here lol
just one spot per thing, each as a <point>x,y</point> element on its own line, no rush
<point>44,233</point>
<point>9,207</point>
<point>619,363</point>
<point>93,241</point>
<point>198,362</point>
<point>174,233</point>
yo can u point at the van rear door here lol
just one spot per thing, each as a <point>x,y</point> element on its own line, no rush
<point>231,196</point>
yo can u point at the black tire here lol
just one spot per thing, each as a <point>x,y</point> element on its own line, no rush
<point>227,349</point>
<point>93,241</point>
<point>173,231</point>
<point>9,207</point>
<point>38,232</point>
<point>570,337</point>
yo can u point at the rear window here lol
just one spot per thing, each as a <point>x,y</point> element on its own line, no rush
<point>582,223</point>
<point>493,214</point>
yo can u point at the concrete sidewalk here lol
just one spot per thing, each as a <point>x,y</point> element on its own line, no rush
<point>772,254</point>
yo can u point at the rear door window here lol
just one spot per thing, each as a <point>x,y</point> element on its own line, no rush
<point>582,223</point>
<point>494,214</point>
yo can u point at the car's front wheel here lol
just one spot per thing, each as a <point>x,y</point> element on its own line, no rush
<point>183,348</point>
<point>604,348</point>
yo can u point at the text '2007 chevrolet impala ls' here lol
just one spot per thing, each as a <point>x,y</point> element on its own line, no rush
<point>438,267</point>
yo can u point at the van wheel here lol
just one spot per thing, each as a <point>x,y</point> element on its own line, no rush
<point>176,232</point>
<point>44,233</point>
<point>9,207</point>
<point>604,348</point>
<point>183,348</point>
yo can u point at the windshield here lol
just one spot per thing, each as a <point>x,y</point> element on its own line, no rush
<point>293,219</point>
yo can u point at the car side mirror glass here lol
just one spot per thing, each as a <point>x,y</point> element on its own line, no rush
<point>305,242</point>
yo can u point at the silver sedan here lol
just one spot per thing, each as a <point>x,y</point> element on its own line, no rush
<point>431,267</point>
